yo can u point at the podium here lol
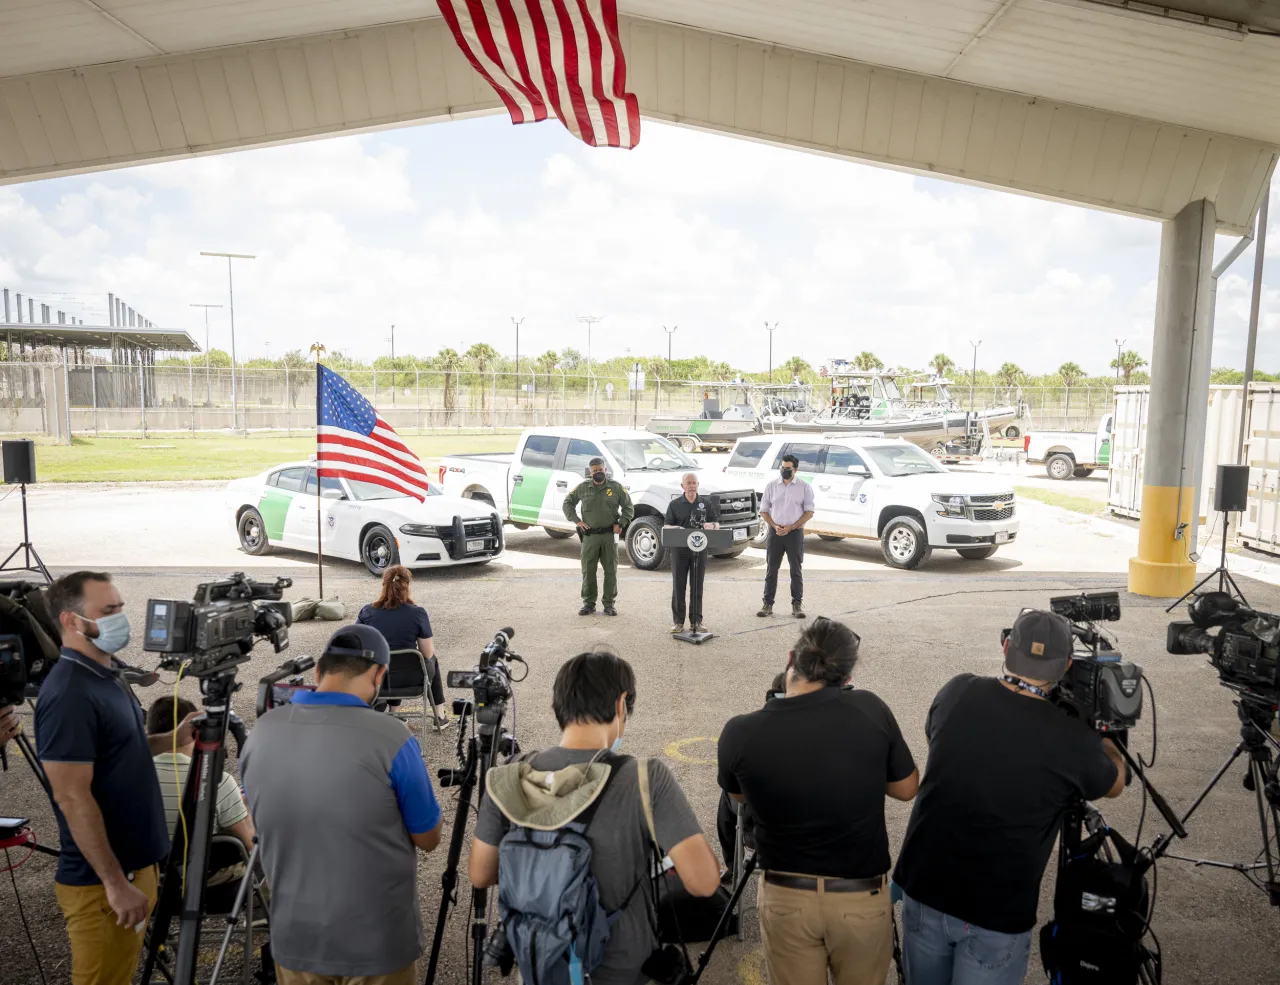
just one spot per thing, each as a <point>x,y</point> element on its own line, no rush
<point>700,542</point>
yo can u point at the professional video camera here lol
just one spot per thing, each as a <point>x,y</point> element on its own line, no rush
<point>1100,686</point>
<point>491,681</point>
<point>28,640</point>
<point>279,687</point>
<point>218,628</point>
<point>1246,649</point>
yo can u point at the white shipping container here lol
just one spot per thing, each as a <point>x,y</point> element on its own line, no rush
<point>1129,445</point>
<point>1260,524</point>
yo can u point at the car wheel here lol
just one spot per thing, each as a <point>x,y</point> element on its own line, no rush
<point>905,543</point>
<point>688,445</point>
<point>1082,473</point>
<point>378,550</point>
<point>829,537</point>
<point>976,553</point>
<point>1060,467</point>
<point>644,544</point>
<point>1013,431</point>
<point>253,533</point>
<point>557,534</point>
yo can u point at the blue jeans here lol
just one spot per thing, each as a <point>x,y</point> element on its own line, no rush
<point>941,950</point>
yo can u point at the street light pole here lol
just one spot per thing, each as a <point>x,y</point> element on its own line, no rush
<point>973,377</point>
<point>231,295</point>
<point>392,339</point>
<point>590,320</point>
<point>770,329</point>
<point>516,322</point>
<point>670,332</point>
<point>1119,345</point>
<point>208,387</point>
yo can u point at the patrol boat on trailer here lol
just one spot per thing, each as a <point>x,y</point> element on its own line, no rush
<point>719,423</point>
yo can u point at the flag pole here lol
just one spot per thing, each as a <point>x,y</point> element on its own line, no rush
<point>319,350</point>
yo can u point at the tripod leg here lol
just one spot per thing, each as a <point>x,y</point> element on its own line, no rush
<point>1259,771</point>
<point>243,894</point>
<point>718,934</point>
<point>449,879</point>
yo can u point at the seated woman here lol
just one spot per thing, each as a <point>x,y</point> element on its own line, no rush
<point>407,627</point>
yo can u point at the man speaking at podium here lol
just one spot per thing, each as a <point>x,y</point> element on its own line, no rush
<point>689,510</point>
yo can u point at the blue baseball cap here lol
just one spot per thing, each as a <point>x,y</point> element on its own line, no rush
<point>361,641</point>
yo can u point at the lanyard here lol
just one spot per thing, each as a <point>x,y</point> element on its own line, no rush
<point>1022,685</point>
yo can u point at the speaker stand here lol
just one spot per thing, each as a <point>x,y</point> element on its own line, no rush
<point>1225,582</point>
<point>27,548</point>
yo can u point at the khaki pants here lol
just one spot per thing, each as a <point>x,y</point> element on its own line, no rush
<point>405,976</point>
<point>102,953</point>
<point>806,932</point>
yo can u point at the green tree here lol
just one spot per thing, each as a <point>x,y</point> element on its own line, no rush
<point>482,355</point>
<point>1129,362</point>
<point>867,361</point>
<point>797,367</point>
<point>942,364</point>
<point>1071,374</point>
<point>571,360</point>
<point>1010,374</point>
<point>547,364</point>
<point>448,362</point>
<point>301,373</point>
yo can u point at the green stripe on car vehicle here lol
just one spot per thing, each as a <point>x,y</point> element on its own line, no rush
<point>527,494</point>
<point>1104,453</point>
<point>274,507</point>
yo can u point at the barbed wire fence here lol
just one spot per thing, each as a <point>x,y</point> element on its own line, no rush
<point>62,400</point>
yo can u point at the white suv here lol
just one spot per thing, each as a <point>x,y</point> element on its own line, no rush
<point>888,490</point>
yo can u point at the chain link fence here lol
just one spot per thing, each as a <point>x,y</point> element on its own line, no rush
<point>58,399</point>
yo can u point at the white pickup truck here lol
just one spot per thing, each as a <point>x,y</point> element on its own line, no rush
<point>1071,454</point>
<point>528,487</point>
<point>889,490</point>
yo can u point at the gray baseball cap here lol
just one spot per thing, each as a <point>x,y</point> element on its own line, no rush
<point>1039,645</point>
<point>358,640</point>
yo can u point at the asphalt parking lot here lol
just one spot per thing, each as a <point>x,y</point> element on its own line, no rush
<point>918,630</point>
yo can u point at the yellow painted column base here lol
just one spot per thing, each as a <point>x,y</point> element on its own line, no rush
<point>1162,568</point>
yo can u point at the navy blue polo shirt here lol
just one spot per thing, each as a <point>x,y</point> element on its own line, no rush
<point>403,626</point>
<point>86,714</point>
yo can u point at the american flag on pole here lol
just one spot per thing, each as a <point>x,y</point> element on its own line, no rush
<point>353,442</point>
<point>552,56</point>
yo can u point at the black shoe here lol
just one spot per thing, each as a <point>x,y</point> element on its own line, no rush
<point>609,610</point>
<point>587,610</point>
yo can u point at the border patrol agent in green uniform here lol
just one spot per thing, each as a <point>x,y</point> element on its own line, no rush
<point>606,511</point>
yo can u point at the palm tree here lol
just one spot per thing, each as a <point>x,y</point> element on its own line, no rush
<point>449,363</point>
<point>547,363</point>
<point>1010,374</point>
<point>1071,374</point>
<point>1128,362</point>
<point>482,355</point>
<point>867,361</point>
<point>942,364</point>
<point>797,367</point>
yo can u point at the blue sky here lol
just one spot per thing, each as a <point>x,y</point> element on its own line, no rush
<point>448,231</point>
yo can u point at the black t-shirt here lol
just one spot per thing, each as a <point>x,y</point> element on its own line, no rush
<point>813,769</point>
<point>403,626</point>
<point>681,512</point>
<point>1002,769</point>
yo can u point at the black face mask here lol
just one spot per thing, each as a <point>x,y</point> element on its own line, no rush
<point>788,473</point>
<point>598,478</point>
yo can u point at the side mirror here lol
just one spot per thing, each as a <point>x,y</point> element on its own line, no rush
<point>337,494</point>
<point>860,470</point>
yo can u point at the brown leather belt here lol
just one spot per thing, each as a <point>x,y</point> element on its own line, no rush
<point>811,883</point>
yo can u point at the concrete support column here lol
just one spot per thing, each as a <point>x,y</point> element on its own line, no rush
<point>1179,404</point>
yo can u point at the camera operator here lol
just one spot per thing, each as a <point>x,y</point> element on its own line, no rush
<point>342,803</point>
<point>9,724</point>
<point>172,765</point>
<point>726,816</point>
<point>815,768</point>
<point>593,697</point>
<point>97,754</point>
<point>406,626</point>
<point>1004,764</point>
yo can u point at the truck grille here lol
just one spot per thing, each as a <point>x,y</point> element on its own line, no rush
<point>987,500</point>
<point>989,514</point>
<point>737,507</point>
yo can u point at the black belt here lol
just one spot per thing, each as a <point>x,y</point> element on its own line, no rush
<point>597,530</point>
<point>810,883</point>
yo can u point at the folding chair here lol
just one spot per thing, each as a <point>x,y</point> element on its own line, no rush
<point>407,678</point>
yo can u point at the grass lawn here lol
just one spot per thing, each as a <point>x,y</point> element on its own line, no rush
<point>1077,504</point>
<point>178,457</point>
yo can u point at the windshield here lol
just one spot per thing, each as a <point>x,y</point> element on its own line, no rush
<point>657,454</point>
<point>895,460</point>
<point>891,388</point>
<point>365,491</point>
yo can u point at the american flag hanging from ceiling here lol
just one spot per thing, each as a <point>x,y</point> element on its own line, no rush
<point>546,57</point>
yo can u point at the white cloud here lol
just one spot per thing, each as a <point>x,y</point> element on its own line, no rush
<point>448,232</point>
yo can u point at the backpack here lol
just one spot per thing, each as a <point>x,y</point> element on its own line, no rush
<point>548,898</point>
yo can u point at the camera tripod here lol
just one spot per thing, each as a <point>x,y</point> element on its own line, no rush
<point>1256,716</point>
<point>29,754</point>
<point>182,883</point>
<point>27,548</point>
<point>1226,583</point>
<point>476,753</point>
